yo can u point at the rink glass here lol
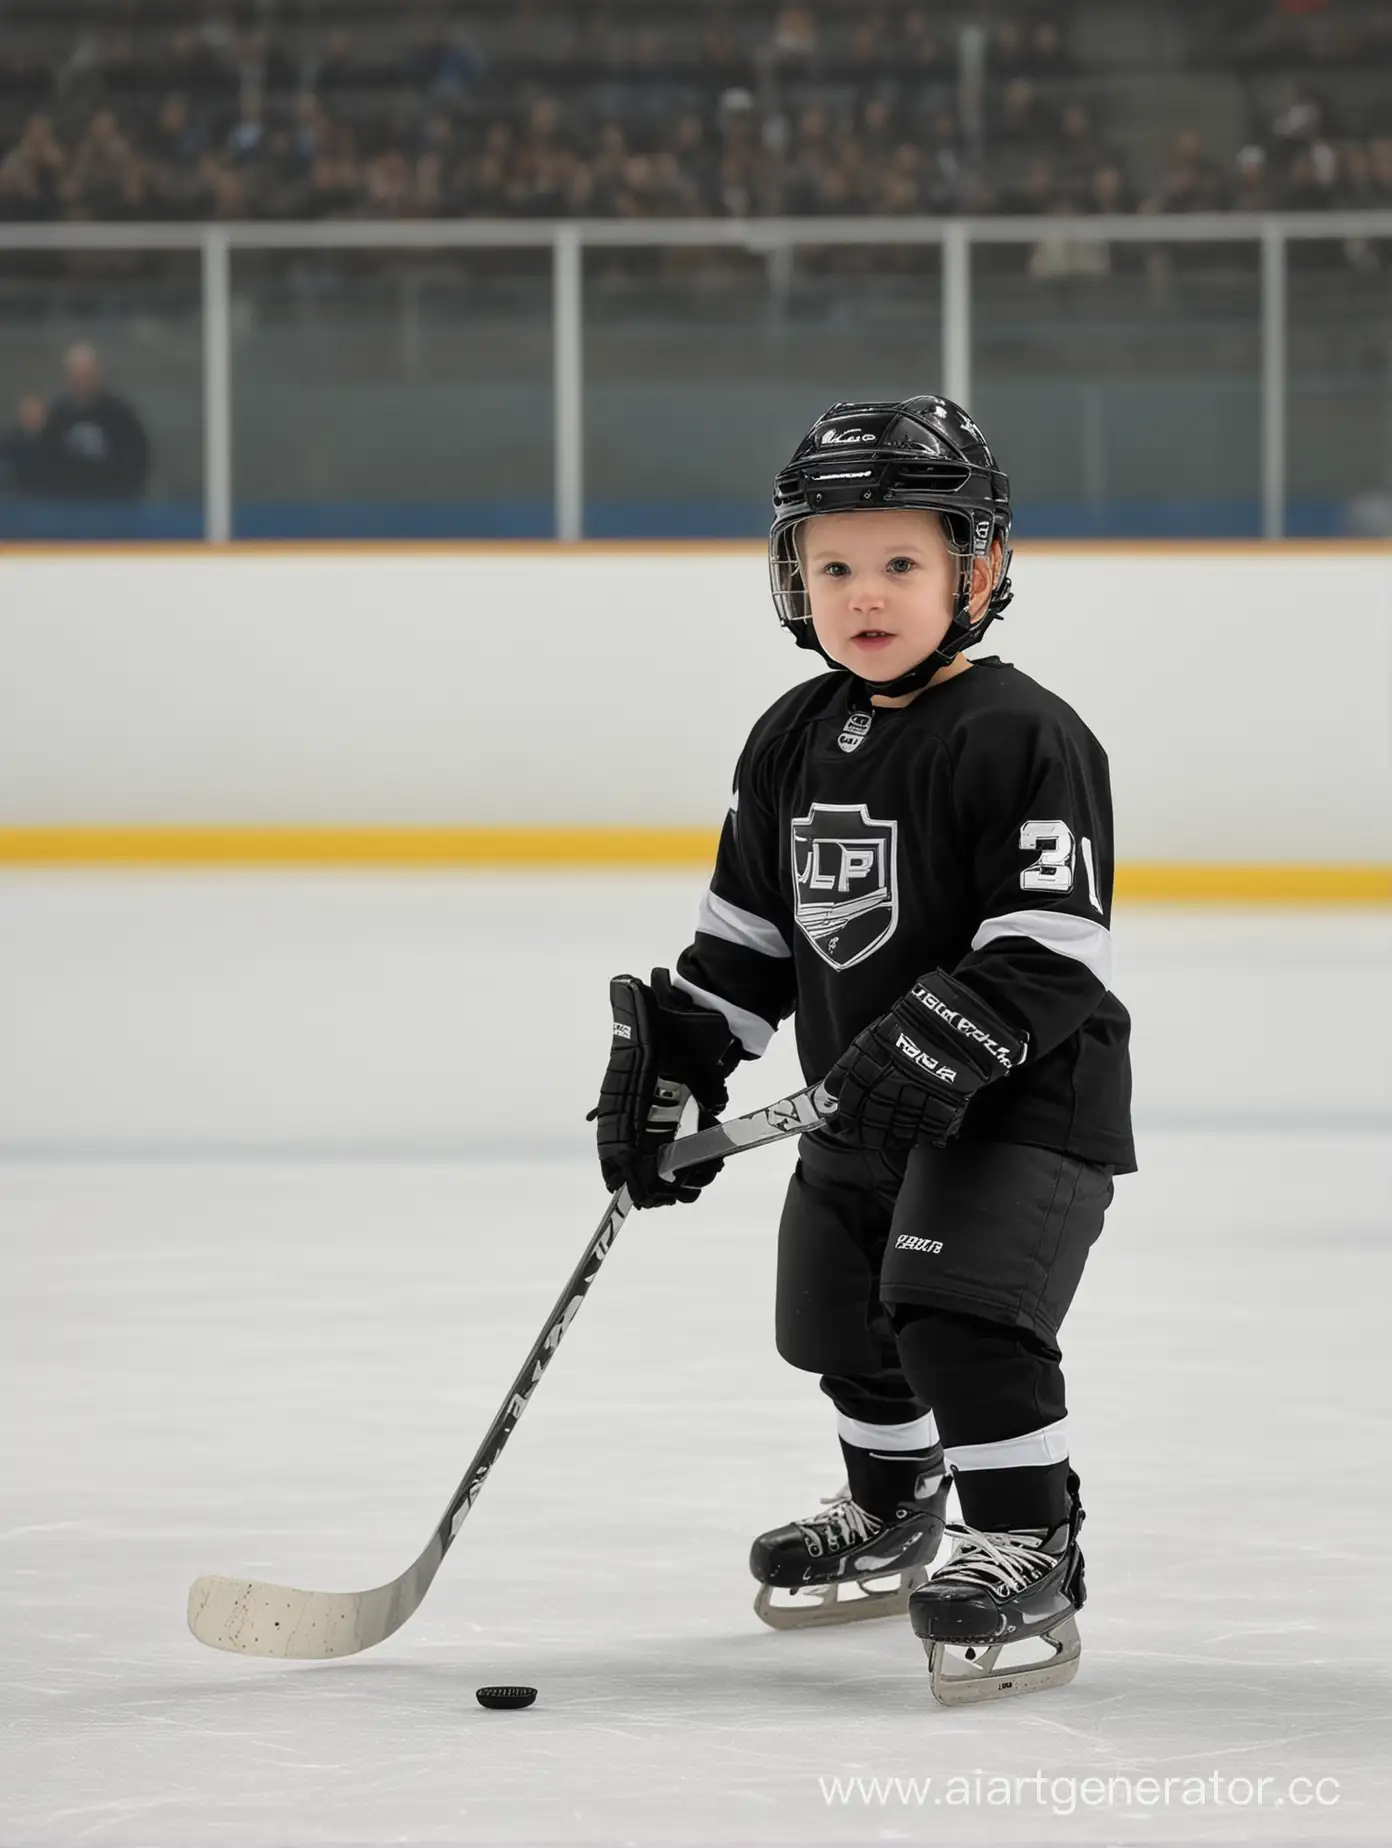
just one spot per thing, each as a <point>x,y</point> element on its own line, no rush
<point>704,368</point>
<point>392,394</point>
<point>1120,385</point>
<point>142,311</point>
<point>1339,409</point>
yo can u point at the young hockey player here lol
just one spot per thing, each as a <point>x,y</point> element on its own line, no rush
<point>918,863</point>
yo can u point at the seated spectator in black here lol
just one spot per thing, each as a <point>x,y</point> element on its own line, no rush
<point>31,173</point>
<point>19,448</point>
<point>811,158</point>
<point>93,445</point>
<point>391,186</point>
<point>923,50</point>
<point>177,139</point>
<point>1047,56</point>
<point>105,179</point>
<point>606,170</point>
<point>797,40</point>
<point>232,195</point>
<point>443,62</point>
<point>869,50</point>
<point>1252,188</point>
<point>1380,170</point>
<point>337,69</point>
<point>310,128</point>
<point>280,179</point>
<point>1193,183</point>
<point>1034,191</point>
<point>193,65</point>
<point>437,137</point>
<point>247,132</point>
<point>1018,123</point>
<point>1297,120</point>
<point>1311,182</point>
<point>723,57</point>
<point>267,58</point>
<point>335,179</point>
<point>691,148</point>
<point>1356,189</point>
<point>188,191</point>
<point>1079,151</point>
<point>1108,191</point>
<point>1005,55</point>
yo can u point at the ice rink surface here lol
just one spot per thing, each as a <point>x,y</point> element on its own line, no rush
<point>291,1172</point>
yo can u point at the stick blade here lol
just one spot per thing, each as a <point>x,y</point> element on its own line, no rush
<point>247,1617</point>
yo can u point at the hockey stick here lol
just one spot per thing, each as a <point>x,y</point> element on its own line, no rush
<point>252,1618</point>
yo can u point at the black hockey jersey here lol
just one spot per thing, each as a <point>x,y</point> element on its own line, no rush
<point>970,831</point>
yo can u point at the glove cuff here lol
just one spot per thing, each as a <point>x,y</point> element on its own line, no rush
<point>956,1017</point>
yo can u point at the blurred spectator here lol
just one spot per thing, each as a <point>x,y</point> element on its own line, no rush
<point>1193,183</point>
<point>1017,124</point>
<point>1312,179</point>
<point>1080,153</point>
<point>31,172</point>
<point>91,444</point>
<point>796,39</point>
<point>567,106</point>
<point>19,447</point>
<point>1108,192</point>
<point>1252,189</point>
<point>1006,54</point>
<point>177,138</point>
<point>248,131</point>
<point>1380,170</point>
<point>1047,55</point>
<point>105,178</point>
<point>1298,119</point>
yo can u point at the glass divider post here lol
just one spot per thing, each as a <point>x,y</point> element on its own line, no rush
<point>956,339</point>
<point>217,388</point>
<point>1273,382</point>
<point>567,310</point>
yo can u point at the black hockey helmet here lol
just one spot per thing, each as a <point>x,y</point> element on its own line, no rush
<point>922,452</point>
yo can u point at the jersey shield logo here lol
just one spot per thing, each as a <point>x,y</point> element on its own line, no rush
<point>846,895</point>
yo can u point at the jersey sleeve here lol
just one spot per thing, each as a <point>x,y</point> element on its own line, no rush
<point>1034,806</point>
<point>740,962</point>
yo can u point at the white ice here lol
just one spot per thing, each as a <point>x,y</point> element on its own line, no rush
<point>292,1170</point>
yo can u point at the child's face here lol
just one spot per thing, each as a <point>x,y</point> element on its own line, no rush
<point>881,586</point>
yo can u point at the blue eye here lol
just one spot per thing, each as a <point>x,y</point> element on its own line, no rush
<point>834,570</point>
<point>901,566</point>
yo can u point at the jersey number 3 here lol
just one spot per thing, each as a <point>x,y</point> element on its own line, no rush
<point>1052,871</point>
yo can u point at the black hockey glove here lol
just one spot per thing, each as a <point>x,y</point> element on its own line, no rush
<point>665,1050</point>
<point>909,1076</point>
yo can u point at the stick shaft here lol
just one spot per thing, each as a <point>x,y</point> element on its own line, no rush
<point>790,1116</point>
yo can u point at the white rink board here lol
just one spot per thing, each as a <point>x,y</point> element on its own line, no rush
<point>1242,693</point>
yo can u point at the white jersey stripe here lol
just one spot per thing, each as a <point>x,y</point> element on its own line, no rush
<point>1078,938</point>
<point>1032,1451</point>
<point>750,1030</point>
<point>920,1434</point>
<point>719,918</point>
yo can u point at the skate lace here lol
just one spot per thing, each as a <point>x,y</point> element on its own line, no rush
<point>1002,1563</point>
<point>844,1524</point>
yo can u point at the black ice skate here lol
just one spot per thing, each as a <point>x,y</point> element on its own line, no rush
<point>846,1563</point>
<point>1018,1590</point>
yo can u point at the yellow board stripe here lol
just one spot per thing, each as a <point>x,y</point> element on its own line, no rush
<point>1157,881</point>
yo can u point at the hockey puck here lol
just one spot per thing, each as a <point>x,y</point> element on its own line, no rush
<point>505,1697</point>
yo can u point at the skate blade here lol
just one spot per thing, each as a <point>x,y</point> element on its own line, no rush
<point>959,1682</point>
<point>806,1607</point>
